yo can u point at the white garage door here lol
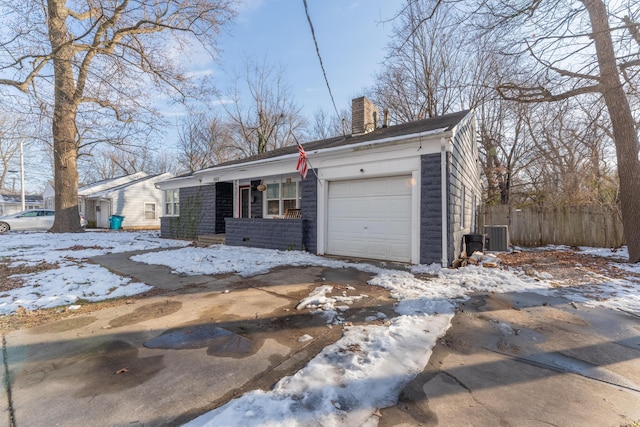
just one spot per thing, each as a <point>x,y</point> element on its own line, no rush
<point>370,218</point>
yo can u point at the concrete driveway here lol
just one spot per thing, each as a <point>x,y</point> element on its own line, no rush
<point>518,359</point>
<point>166,359</point>
<point>528,360</point>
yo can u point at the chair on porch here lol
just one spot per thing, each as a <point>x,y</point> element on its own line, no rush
<point>293,214</point>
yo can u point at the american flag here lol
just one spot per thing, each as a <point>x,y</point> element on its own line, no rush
<point>302,161</point>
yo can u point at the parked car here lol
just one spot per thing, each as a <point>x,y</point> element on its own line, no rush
<point>32,219</point>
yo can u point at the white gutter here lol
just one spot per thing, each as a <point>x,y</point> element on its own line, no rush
<point>445,146</point>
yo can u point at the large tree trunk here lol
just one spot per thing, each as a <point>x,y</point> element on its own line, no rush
<point>624,132</point>
<point>64,127</point>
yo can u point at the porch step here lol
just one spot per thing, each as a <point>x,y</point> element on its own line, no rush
<point>211,239</point>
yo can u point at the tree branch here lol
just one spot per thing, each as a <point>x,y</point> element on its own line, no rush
<point>633,28</point>
<point>514,92</point>
<point>560,71</point>
<point>84,15</point>
<point>628,64</point>
<point>108,104</point>
<point>39,61</point>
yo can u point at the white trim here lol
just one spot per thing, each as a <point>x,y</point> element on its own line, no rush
<point>236,200</point>
<point>322,195</point>
<point>445,145</point>
<point>241,188</point>
<point>173,203</point>
<point>281,181</point>
<point>144,211</point>
<point>415,216</point>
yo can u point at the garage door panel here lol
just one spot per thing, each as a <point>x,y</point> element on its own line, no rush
<point>372,207</point>
<point>370,218</point>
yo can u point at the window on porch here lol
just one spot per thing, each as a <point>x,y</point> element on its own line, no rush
<point>282,196</point>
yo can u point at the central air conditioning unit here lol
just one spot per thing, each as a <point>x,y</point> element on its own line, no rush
<point>497,238</point>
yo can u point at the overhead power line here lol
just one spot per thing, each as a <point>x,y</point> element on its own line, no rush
<point>324,73</point>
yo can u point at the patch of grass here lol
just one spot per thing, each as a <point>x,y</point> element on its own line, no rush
<point>8,279</point>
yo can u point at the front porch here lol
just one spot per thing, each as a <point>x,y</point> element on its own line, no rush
<point>280,214</point>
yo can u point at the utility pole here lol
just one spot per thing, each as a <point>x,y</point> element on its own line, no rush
<point>22,174</point>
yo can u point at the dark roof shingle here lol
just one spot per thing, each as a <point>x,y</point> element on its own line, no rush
<point>446,122</point>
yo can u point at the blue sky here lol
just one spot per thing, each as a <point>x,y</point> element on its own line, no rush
<point>351,35</point>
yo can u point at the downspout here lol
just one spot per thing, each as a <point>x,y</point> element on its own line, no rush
<point>445,146</point>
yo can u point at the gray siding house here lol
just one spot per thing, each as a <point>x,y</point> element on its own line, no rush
<point>404,193</point>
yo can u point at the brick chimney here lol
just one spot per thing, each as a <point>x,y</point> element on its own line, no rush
<point>364,116</point>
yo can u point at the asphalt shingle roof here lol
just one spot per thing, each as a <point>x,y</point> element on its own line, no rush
<point>446,122</point>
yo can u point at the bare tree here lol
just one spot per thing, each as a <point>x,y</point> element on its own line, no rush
<point>117,160</point>
<point>433,68</point>
<point>505,149</point>
<point>204,141</point>
<point>571,156</point>
<point>427,69</point>
<point>9,146</point>
<point>569,49</point>
<point>328,126</point>
<point>270,117</point>
<point>99,56</point>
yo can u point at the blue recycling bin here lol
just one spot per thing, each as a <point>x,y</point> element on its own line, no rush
<point>115,222</point>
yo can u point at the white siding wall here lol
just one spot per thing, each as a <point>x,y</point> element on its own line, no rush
<point>48,196</point>
<point>130,203</point>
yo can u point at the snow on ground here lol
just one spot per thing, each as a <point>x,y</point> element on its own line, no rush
<point>367,368</point>
<point>74,278</point>
<point>344,384</point>
<point>348,381</point>
<point>232,259</point>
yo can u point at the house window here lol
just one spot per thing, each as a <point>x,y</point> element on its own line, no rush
<point>171,202</point>
<point>282,196</point>
<point>149,211</point>
<point>289,196</point>
<point>273,199</point>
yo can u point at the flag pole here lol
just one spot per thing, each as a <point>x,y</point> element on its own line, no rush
<point>310,165</point>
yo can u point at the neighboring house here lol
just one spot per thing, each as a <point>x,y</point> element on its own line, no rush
<point>49,196</point>
<point>134,197</point>
<point>403,193</point>
<point>10,204</point>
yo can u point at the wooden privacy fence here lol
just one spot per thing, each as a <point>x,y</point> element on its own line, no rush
<point>596,226</point>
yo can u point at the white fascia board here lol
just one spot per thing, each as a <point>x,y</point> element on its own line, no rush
<point>178,182</point>
<point>408,151</point>
<point>390,142</point>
